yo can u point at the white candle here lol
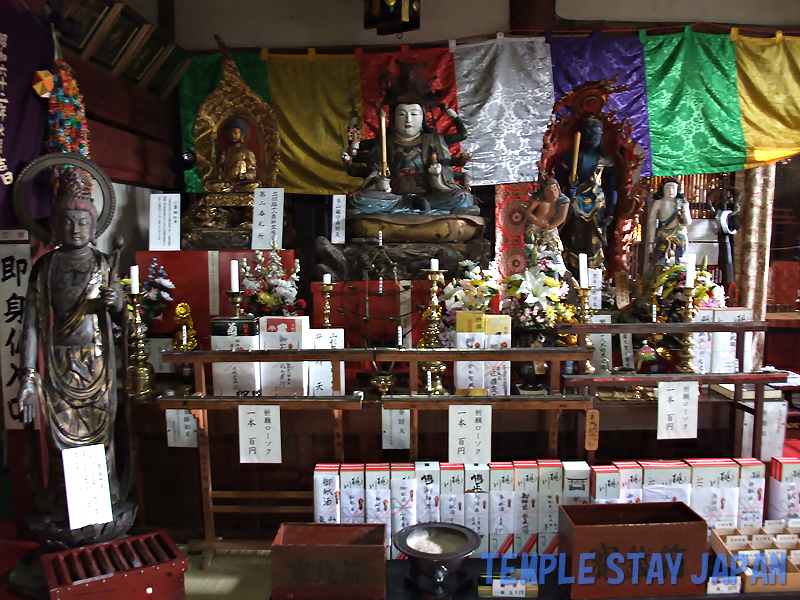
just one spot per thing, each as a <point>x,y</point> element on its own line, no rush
<point>380,238</point>
<point>434,264</point>
<point>430,382</point>
<point>185,335</point>
<point>399,336</point>
<point>583,270</point>
<point>234,275</point>
<point>655,312</point>
<point>380,285</point>
<point>135,279</point>
<point>326,278</point>
<point>691,264</point>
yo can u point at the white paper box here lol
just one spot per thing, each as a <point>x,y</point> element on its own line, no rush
<point>476,500</point>
<point>784,486</point>
<point>470,333</point>
<point>501,507</point>
<point>283,378</point>
<point>452,476</point>
<point>602,344</point>
<point>320,372</point>
<point>576,482</point>
<point>703,342</point>
<point>327,493</point>
<point>239,378</point>
<point>773,430</point>
<point>605,483</point>
<point>666,481</point>
<point>715,489</point>
<point>526,511</point>
<point>497,374</point>
<point>351,477</point>
<point>428,491</point>
<point>379,498</point>
<point>404,501</point>
<point>551,491</point>
<point>752,490</point>
<point>630,481</point>
<point>723,358</point>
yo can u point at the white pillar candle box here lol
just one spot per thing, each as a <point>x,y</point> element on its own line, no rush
<point>784,486</point>
<point>235,378</point>
<point>551,490</point>
<point>666,481</point>
<point>752,490</point>
<point>283,333</point>
<point>497,373</point>
<point>501,507</point>
<point>351,478</point>
<point>630,481</point>
<point>576,482</point>
<point>320,372</point>
<point>723,354</point>
<point>379,497</point>
<point>404,505</point>
<point>470,333</point>
<point>476,500</point>
<point>452,475</point>
<point>326,493</point>
<point>428,491</point>
<point>715,489</point>
<point>605,484</point>
<point>526,511</point>
<point>703,342</point>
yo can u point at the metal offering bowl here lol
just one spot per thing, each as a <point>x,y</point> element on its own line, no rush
<point>437,574</point>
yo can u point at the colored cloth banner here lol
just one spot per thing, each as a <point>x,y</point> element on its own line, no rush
<point>311,97</point>
<point>577,60</point>
<point>695,121</point>
<point>768,71</point>
<point>198,82</point>
<point>505,91</point>
<point>440,73</point>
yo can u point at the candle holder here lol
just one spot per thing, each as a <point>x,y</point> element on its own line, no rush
<point>236,299</point>
<point>327,288</point>
<point>430,337</point>
<point>585,316</point>
<point>141,374</point>
<point>686,354</point>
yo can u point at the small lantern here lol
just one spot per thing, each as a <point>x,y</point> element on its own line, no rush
<point>392,16</point>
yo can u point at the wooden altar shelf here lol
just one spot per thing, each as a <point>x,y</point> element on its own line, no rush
<point>200,403</point>
<point>650,328</point>
<point>502,402</point>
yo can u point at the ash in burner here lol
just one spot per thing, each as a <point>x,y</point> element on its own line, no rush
<point>435,541</point>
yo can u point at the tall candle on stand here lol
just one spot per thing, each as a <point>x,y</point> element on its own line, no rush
<point>434,264</point>
<point>399,336</point>
<point>430,381</point>
<point>135,279</point>
<point>326,278</point>
<point>380,238</point>
<point>234,275</point>
<point>583,270</point>
<point>380,285</point>
<point>691,266</point>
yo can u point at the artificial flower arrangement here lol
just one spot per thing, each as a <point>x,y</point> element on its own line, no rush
<point>536,296</point>
<point>268,288</point>
<point>706,293</point>
<point>472,290</point>
<point>155,294</point>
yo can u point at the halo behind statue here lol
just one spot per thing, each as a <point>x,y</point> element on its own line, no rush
<point>30,172</point>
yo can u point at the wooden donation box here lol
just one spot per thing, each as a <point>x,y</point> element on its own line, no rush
<point>649,529</point>
<point>311,561</point>
<point>141,567</point>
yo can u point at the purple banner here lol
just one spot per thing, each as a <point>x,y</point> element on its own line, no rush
<point>577,60</point>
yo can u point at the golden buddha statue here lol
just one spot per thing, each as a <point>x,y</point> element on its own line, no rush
<point>237,168</point>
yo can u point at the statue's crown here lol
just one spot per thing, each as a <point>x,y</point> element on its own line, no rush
<point>409,86</point>
<point>74,192</point>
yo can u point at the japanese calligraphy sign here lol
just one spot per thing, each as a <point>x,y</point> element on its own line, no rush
<point>677,410</point>
<point>626,349</point>
<point>596,285</point>
<point>259,434</point>
<point>86,482</point>
<point>396,429</point>
<point>404,302</point>
<point>165,221</point>
<point>602,344</point>
<point>181,428</point>
<point>327,493</point>
<point>622,288</point>
<point>213,282</point>
<point>6,176</point>
<point>338,218</point>
<point>15,266</point>
<point>268,218</point>
<point>470,433</point>
<point>320,372</point>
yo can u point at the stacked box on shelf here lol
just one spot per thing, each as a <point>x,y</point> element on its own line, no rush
<point>497,374</point>
<point>453,504</point>
<point>470,333</point>
<point>283,378</point>
<point>784,486</point>
<point>235,378</point>
<point>630,481</point>
<point>752,490</point>
<point>320,372</point>
<point>404,501</point>
<point>501,507</point>
<point>428,478</point>
<point>576,482</point>
<point>327,493</point>
<point>723,355</point>
<point>526,511</point>
<point>551,490</point>
<point>351,481</point>
<point>666,481</point>
<point>703,342</point>
<point>379,499</point>
<point>715,489</point>
<point>605,484</point>
<point>476,501</point>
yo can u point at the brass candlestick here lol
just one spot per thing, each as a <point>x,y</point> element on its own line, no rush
<point>327,288</point>
<point>585,316</point>
<point>236,299</point>
<point>686,365</point>
<point>430,337</point>
<point>141,375</point>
